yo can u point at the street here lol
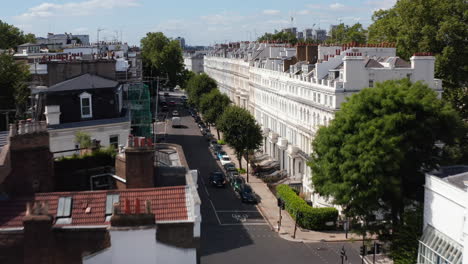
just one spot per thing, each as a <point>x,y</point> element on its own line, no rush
<point>234,232</point>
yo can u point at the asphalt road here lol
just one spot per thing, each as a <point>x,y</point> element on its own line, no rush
<point>234,232</point>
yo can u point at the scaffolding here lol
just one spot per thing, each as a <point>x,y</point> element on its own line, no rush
<point>140,106</point>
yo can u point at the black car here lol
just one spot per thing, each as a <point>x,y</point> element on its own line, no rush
<point>246,194</point>
<point>231,175</point>
<point>237,183</point>
<point>165,108</point>
<point>217,179</point>
<point>230,167</point>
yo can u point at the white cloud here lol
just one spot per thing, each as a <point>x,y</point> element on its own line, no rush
<point>84,8</point>
<point>270,12</point>
<point>381,4</point>
<point>336,6</point>
<point>303,12</point>
<point>278,22</point>
<point>222,19</point>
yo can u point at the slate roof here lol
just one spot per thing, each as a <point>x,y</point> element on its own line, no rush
<point>371,63</point>
<point>167,203</point>
<point>83,82</point>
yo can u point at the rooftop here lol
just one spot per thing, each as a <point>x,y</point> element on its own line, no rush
<point>83,82</point>
<point>455,175</point>
<point>91,208</point>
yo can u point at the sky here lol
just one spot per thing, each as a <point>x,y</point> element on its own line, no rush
<point>202,22</point>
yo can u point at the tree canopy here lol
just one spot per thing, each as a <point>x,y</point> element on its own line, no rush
<point>162,57</point>
<point>197,86</point>
<point>373,155</point>
<point>12,36</point>
<point>240,131</point>
<point>212,105</point>
<point>14,91</point>
<point>437,26</point>
<point>281,36</point>
<point>346,34</point>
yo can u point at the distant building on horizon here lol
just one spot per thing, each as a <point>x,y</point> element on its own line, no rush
<point>181,42</point>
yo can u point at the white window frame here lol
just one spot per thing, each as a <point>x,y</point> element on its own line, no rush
<point>88,96</point>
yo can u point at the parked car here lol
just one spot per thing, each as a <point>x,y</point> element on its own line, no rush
<point>208,135</point>
<point>166,94</point>
<point>230,167</point>
<point>172,103</point>
<point>176,122</point>
<point>246,194</point>
<point>165,108</point>
<point>220,154</point>
<point>175,113</point>
<point>237,183</point>
<point>213,144</point>
<point>217,179</point>
<point>225,159</point>
<point>230,175</point>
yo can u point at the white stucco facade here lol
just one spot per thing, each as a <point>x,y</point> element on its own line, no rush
<point>445,219</point>
<point>291,103</point>
<point>194,62</point>
<point>64,139</point>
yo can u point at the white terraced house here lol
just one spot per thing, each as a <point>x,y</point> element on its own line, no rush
<point>292,91</point>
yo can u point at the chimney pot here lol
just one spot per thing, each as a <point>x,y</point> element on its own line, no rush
<point>137,206</point>
<point>126,206</point>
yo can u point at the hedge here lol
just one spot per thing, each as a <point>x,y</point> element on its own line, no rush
<point>312,218</point>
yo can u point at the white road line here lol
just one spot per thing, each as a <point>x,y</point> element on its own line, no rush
<point>204,185</point>
<point>214,210</point>
<point>235,211</point>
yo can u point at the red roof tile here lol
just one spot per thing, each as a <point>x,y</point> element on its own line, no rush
<point>167,203</point>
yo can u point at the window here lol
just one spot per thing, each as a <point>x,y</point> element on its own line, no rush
<point>86,105</point>
<point>371,83</point>
<point>64,210</point>
<point>110,200</point>
<point>114,141</point>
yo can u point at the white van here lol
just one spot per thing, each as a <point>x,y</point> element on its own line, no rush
<point>176,122</point>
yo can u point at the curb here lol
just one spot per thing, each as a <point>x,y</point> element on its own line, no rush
<point>266,218</point>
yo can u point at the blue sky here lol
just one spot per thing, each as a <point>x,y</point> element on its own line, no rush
<point>201,22</point>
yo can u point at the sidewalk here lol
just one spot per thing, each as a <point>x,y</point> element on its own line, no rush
<point>269,209</point>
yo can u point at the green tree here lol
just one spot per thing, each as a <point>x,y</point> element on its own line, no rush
<point>212,106</point>
<point>240,131</point>
<point>14,91</point>
<point>286,37</point>
<point>437,26</point>
<point>162,57</point>
<point>199,85</point>
<point>346,34</point>
<point>83,139</point>
<point>11,36</point>
<point>373,155</point>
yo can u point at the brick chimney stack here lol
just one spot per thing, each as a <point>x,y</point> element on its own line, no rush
<point>32,164</point>
<point>132,214</point>
<point>39,243</point>
<point>136,164</point>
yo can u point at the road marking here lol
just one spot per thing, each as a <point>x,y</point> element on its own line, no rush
<point>214,210</point>
<point>244,224</point>
<point>235,211</point>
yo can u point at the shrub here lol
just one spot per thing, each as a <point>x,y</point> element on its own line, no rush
<point>241,171</point>
<point>221,142</point>
<point>312,218</point>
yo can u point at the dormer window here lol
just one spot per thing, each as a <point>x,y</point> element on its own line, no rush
<point>86,105</point>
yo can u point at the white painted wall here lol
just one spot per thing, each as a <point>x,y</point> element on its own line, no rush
<point>446,209</point>
<point>64,139</point>
<point>139,245</point>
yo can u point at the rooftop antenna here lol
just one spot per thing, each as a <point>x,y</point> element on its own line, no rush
<point>98,30</point>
